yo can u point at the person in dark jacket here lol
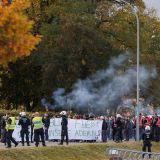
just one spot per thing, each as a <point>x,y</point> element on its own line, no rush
<point>127,127</point>
<point>3,130</point>
<point>114,128</point>
<point>147,137</point>
<point>24,122</point>
<point>64,127</point>
<point>32,126</point>
<point>46,121</point>
<point>104,129</point>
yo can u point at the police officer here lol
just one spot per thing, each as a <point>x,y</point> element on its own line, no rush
<point>46,121</point>
<point>38,129</point>
<point>64,127</point>
<point>3,130</point>
<point>24,122</point>
<point>10,125</point>
<point>147,137</point>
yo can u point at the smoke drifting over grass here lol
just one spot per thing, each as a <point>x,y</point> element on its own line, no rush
<point>103,88</point>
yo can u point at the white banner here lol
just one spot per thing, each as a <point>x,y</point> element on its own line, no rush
<point>77,129</point>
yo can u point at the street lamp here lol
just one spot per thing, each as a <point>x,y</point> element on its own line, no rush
<point>137,19</point>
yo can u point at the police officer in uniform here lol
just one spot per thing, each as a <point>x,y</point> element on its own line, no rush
<point>64,127</point>
<point>10,125</point>
<point>38,129</point>
<point>24,122</point>
<point>3,130</point>
<point>46,121</point>
<point>147,137</point>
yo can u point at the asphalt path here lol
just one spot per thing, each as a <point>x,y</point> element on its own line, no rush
<point>32,145</point>
<point>51,143</point>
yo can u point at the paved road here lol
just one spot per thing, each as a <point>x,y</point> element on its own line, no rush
<point>2,146</point>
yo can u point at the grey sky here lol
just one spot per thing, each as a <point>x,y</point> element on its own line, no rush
<point>153,4</point>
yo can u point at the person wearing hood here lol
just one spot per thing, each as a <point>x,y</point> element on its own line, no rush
<point>64,127</point>
<point>147,137</point>
<point>24,122</point>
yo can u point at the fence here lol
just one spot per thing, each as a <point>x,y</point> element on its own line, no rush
<point>125,154</point>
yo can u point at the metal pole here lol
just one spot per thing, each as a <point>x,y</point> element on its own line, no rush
<point>138,53</point>
<point>138,42</point>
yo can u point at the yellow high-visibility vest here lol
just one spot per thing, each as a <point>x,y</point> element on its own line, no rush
<point>37,121</point>
<point>12,125</point>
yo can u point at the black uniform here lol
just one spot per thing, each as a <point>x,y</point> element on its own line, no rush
<point>64,129</point>
<point>147,137</point>
<point>46,121</point>
<point>3,130</point>
<point>24,122</point>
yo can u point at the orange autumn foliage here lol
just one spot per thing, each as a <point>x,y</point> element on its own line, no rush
<point>16,39</point>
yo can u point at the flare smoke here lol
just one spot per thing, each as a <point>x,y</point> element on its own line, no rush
<point>103,88</point>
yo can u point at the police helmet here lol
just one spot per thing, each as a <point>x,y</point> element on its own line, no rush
<point>63,113</point>
<point>23,113</point>
<point>147,128</point>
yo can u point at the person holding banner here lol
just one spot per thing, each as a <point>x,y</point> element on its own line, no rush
<point>104,129</point>
<point>64,127</point>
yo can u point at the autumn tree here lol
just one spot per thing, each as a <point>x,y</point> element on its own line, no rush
<point>78,38</point>
<point>16,39</point>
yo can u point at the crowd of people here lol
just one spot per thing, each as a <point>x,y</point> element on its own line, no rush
<point>116,128</point>
<point>121,129</point>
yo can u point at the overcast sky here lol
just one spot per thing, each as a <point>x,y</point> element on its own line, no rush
<point>153,4</point>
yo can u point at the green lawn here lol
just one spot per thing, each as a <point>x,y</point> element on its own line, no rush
<point>72,152</point>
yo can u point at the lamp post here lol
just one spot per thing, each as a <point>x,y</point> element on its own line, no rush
<point>138,42</point>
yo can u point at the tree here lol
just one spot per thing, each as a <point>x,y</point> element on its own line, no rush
<point>16,39</point>
<point>118,23</point>
<point>21,81</point>
<point>79,37</point>
<point>72,47</point>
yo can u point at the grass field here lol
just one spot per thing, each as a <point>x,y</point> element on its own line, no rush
<point>71,152</point>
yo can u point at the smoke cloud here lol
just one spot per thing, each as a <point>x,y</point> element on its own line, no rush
<point>104,88</point>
